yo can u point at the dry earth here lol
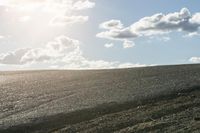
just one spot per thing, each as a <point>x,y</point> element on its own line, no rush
<point>151,99</point>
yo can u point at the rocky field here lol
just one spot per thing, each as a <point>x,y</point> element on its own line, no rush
<point>151,99</point>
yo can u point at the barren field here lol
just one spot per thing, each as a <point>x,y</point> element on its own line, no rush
<point>151,99</point>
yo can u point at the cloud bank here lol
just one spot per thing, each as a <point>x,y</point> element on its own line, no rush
<point>158,24</point>
<point>63,10</point>
<point>109,45</point>
<point>63,52</point>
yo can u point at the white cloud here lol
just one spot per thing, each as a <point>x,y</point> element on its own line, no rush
<point>130,65</point>
<point>195,59</point>
<point>64,20</point>
<point>62,11</point>
<point>13,57</point>
<point>195,18</point>
<point>158,24</point>
<point>51,5</point>
<point>108,45</point>
<point>128,44</point>
<point>117,34</point>
<point>161,23</point>
<point>112,24</point>
<point>64,52</point>
<point>80,5</point>
<point>192,34</point>
<point>61,48</point>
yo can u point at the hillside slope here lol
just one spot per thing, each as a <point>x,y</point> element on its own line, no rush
<point>121,100</point>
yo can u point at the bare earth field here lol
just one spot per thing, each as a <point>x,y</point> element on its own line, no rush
<point>151,99</point>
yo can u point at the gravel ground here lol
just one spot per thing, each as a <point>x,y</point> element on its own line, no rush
<point>180,113</point>
<point>120,100</point>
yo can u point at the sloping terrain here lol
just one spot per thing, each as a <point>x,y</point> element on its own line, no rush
<point>122,100</point>
<point>180,113</point>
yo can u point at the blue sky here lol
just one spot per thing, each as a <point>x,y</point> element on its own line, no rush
<point>95,34</point>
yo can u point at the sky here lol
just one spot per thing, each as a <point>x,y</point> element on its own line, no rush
<point>98,34</point>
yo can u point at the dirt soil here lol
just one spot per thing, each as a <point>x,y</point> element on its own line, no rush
<point>149,99</point>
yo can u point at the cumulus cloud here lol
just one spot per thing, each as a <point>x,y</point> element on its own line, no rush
<point>112,24</point>
<point>161,23</point>
<point>108,45</point>
<point>195,19</point>
<point>195,59</point>
<point>62,10</point>
<point>192,34</point>
<point>80,5</point>
<point>117,34</point>
<point>63,52</point>
<point>13,57</point>
<point>158,24</point>
<point>128,44</point>
<point>58,49</point>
